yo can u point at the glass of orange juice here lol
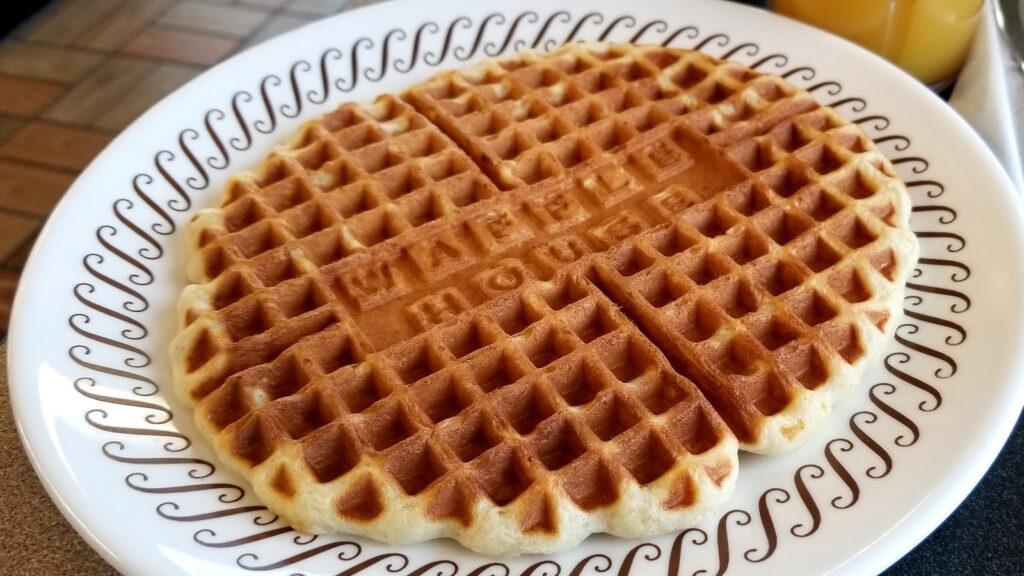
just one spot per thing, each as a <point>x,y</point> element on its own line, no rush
<point>928,38</point>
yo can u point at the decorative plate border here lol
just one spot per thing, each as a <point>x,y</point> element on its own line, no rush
<point>163,195</point>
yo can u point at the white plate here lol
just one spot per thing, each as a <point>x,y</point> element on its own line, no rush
<point>89,377</point>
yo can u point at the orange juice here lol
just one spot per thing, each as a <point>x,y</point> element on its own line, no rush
<point>928,38</point>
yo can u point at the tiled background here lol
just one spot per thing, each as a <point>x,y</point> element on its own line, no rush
<point>79,71</point>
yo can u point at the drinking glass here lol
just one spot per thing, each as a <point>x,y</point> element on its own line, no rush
<point>927,38</point>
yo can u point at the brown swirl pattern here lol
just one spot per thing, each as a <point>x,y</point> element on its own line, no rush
<point>113,351</point>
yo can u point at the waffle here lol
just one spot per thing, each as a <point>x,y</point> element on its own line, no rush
<point>547,296</point>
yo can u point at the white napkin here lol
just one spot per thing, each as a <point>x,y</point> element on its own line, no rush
<point>989,94</point>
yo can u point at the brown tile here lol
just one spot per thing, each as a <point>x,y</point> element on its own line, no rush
<point>272,4</point>
<point>278,25</point>
<point>8,285</point>
<point>164,80</point>
<point>227,20</point>
<point>55,145</point>
<point>104,88</point>
<point>319,7</point>
<point>26,97</point>
<point>360,3</point>
<point>46,62</point>
<point>123,24</point>
<point>15,230</point>
<point>19,257</point>
<point>66,22</point>
<point>30,189</point>
<point>10,126</point>
<point>179,45</point>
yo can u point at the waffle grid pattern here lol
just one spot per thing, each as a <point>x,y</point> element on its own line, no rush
<point>759,307</point>
<point>536,297</point>
<point>518,395</point>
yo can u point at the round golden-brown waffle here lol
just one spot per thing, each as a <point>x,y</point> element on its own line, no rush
<point>547,296</point>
